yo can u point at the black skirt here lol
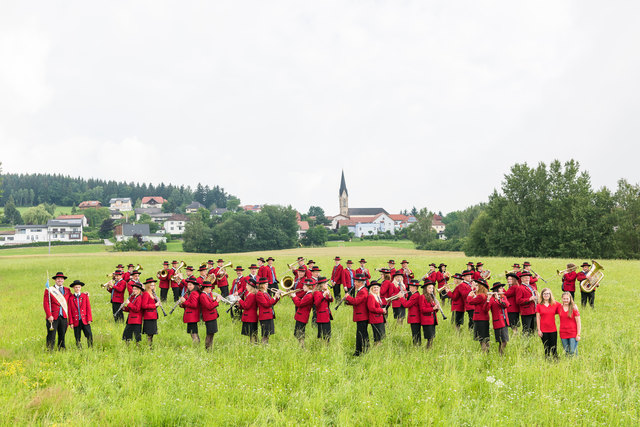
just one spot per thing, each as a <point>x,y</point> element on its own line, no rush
<point>299,329</point>
<point>378,331</point>
<point>481,330</point>
<point>212,326</point>
<point>192,328</point>
<point>249,328</point>
<point>514,319</point>
<point>268,327</point>
<point>502,334</point>
<point>150,326</point>
<point>429,331</point>
<point>324,330</point>
<point>398,312</point>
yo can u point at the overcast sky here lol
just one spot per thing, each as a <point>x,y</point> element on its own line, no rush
<point>421,103</point>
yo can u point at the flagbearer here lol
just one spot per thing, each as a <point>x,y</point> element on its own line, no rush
<point>80,314</point>
<point>55,304</point>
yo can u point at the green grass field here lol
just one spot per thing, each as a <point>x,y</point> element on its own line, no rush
<point>60,210</point>
<point>240,384</point>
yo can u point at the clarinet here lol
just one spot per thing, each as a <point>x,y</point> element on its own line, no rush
<point>157,300</point>
<point>439,308</point>
<point>350,292</point>
<point>121,307</point>
<point>186,295</point>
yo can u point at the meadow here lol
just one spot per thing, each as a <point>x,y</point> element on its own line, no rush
<point>176,383</point>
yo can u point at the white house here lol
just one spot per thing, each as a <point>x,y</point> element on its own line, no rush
<point>65,230</point>
<point>123,203</point>
<point>152,202</point>
<point>7,237</point>
<point>82,218</point>
<point>175,224</point>
<point>30,234</point>
<point>115,214</point>
<point>127,231</point>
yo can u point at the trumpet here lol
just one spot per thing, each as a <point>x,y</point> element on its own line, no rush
<point>566,270</point>
<point>104,285</point>
<point>138,268</point>
<point>223,299</point>
<point>290,266</point>
<point>285,293</point>
<point>394,297</point>
<point>176,275</point>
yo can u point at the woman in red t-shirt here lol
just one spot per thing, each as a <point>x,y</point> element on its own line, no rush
<point>570,325</point>
<point>546,311</point>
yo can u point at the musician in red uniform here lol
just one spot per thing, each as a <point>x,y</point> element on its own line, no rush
<point>190,301</point>
<point>364,270</point>
<point>294,267</point>
<point>429,307</point>
<point>467,279</point>
<point>133,306</point>
<point>266,314</point>
<point>249,306</point>
<point>315,273</point>
<point>513,309</point>
<point>360,314</point>
<point>253,273</point>
<point>203,270</point>
<point>164,278</point>
<point>385,286</point>
<point>444,279</point>
<point>375,306</point>
<point>127,274</point>
<point>116,288</point>
<point>546,311</point>
<point>208,304</point>
<point>477,299</point>
<point>586,297</point>
<point>298,283</point>
<point>459,299</point>
<point>303,305</point>
<point>348,276</point>
<point>183,283</point>
<point>176,278</point>
<point>310,266</point>
<point>414,319</point>
<point>433,275</point>
<point>391,265</point>
<point>134,278</point>
<point>80,314</point>
<point>262,268</point>
<point>321,299</point>
<point>397,286</point>
<point>407,274</point>
<point>569,280</point>
<point>239,284</point>
<point>150,304</point>
<point>477,274</point>
<point>498,305</point>
<point>534,276</point>
<point>271,273</point>
<point>526,298</point>
<point>221,278</point>
<point>336,277</point>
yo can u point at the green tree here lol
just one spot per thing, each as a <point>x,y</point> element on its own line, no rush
<point>318,212</point>
<point>36,215</point>
<point>146,219</point>
<point>106,228</point>
<point>627,220</point>
<point>233,204</point>
<point>421,232</point>
<point>11,214</point>
<point>315,236</point>
<point>197,236</point>
<point>95,217</point>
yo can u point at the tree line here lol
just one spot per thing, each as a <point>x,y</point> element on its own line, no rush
<point>62,190</point>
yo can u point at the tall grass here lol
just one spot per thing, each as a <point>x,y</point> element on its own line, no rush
<point>240,384</point>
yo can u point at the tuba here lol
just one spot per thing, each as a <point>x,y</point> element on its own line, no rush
<point>287,283</point>
<point>594,276</point>
<point>485,274</point>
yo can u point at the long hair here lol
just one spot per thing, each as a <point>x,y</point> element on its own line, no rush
<point>386,276</point>
<point>481,290</point>
<point>428,295</point>
<point>571,303</point>
<point>551,300</point>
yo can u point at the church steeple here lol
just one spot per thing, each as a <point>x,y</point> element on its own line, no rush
<point>344,197</point>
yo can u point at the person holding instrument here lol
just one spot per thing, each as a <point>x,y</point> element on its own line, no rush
<point>586,297</point>
<point>412,302</point>
<point>396,287</point>
<point>249,306</point>
<point>303,304</point>
<point>360,314</point>
<point>266,314</point>
<point>513,309</point>
<point>364,271</point>
<point>477,299</point>
<point>376,312</point>
<point>428,311</point>
<point>336,277</point>
<point>190,301</point>
<point>208,305</point>
<point>459,299</point>
<point>348,276</point>
<point>527,299</point>
<point>150,304</point>
<point>321,300</point>
<point>569,279</point>
<point>133,306</point>
<point>116,288</point>
<point>164,278</point>
<point>221,276</point>
<point>498,304</point>
<point>441,283</point>
<point>534,276</point>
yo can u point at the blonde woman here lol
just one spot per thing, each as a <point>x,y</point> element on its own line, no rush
<point>546,311</point>
<point>570,325</point>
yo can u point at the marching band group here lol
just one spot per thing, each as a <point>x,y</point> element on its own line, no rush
<point>252,298</point>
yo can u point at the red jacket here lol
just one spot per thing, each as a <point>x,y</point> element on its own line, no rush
<point>428,312</point>
<point>393,290</point>
<point>263,271</point>
<point>359,303</point>
<point>499,312</point>
<point>54,310</point>
<point>79,306</point>
<point>366,273</point>
<point>323,311</point>
<point>511,298</point>
<point>522,299</point>
<point>476,275</point>
<point>126,276</point>
<point>265,305</point>
<point>348,277</point>
<point>581,276</point>
<point>130,286</point>
<point>270,273</point>
<point>385,288</point>
<point>459,296</point>
<point>336,274</point>
<point>569,281</point>
<point>149,309</point>
<point>442,280</point>
<point>117,291</point>
<point>201,279</point>
<point>135,310</point>
<point>165,283</point>
<point>304,306</point>
<point>208,306</point>
<point>191,308</point>
<point>376,313</point>
<point>480,306</point>
<point>436,277</point>
<point>238,285</point>
<point>249,307</point>
<point>413,304</point>
<point>174,284</point>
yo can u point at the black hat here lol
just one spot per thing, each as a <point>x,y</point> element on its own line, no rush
<point>165,263</point>
<point>322,279</point>
<point>311,262</point>
<point>174,262</point>
<point>130,265</point>
<point>442,265</point>
<point>363,260</point>
<point>427,282</point>
<point>497,285</point>
<point>271,259</point>
<point>138,285</point>
<point>349,261</point>
<point>119,266</point>
<point>301,269</point>
<point>77,282</point>
<point>192,280</point>
<point>202,268</point>
<point>135,272</point>
<point>457,276</point>
<point>391,261</point>
<point>467,273</point>
<point>262,280</point>
<point>59,274</point>
<point>252,282</point>
<point>526,264</point>
<point>397,273</point>
<point>385,271</point>
<point>309,282</point>
<point>404,261</point>
<point>220,260</point>
<point>516,265</point>
<point>585,264</point>
<point>150,280</point>
<point>482,282</point>
<point>373,283</point>
<point>337,258</point>
<point>239,268</point>
<point>414,283</point>
<point>300,258</point>
<point>260,259</point>
<point>252,266</point>
<point>470,263</point>
<point>432,264</point>
<point>117,273</point>
<point>479,264</point>
<point>210,261</point>
<point>315,268</point>
<point>525,273</point>
<point>207,284</point>
<point>360,276</point>
<point>512,274</point>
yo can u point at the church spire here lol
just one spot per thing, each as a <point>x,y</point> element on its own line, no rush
<point>344,198</point>
<point>343,186</point>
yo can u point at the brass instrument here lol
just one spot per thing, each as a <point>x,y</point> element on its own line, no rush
<point>539,276</point>
<point>223,299</point>
<point>138,268</point>
<point>104,285</point>
<point>394,297</point>
<point>594,276</point>
<point>485,274</point>
<point>287,283</point>
<point>378,269</point>
<point>222,269</point>
<point>162,274</point>
<point>287,292</point>
<point>290,266</point>
<point>566,270</point>
<point>175,276</point>
<point>112,278</point>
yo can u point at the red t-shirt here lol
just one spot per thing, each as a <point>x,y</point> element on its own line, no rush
<point>548,316</point>
<point>568,325</point>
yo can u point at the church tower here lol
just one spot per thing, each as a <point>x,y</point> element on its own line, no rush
<point>344,197</point>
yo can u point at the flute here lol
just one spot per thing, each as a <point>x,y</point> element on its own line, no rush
<point>157,300</point>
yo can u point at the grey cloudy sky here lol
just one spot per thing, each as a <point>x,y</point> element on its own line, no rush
<point>422,103</point>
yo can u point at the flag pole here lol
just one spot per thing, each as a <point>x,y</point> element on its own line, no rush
<point>49,293</point>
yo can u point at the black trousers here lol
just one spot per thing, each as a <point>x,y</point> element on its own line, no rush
<point>163,294</point>
<point>587,297</point>
<point>176,293</point>
<point>115,306</point>
<point>60,328</point>
<point>337,291</point>
<point>470,313</point>
<point>224,291</point>
<point>362,337</point>
<point>416,333</point>
<point>550,342</point>
<point>528,323</point>
<point>79,330</point>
